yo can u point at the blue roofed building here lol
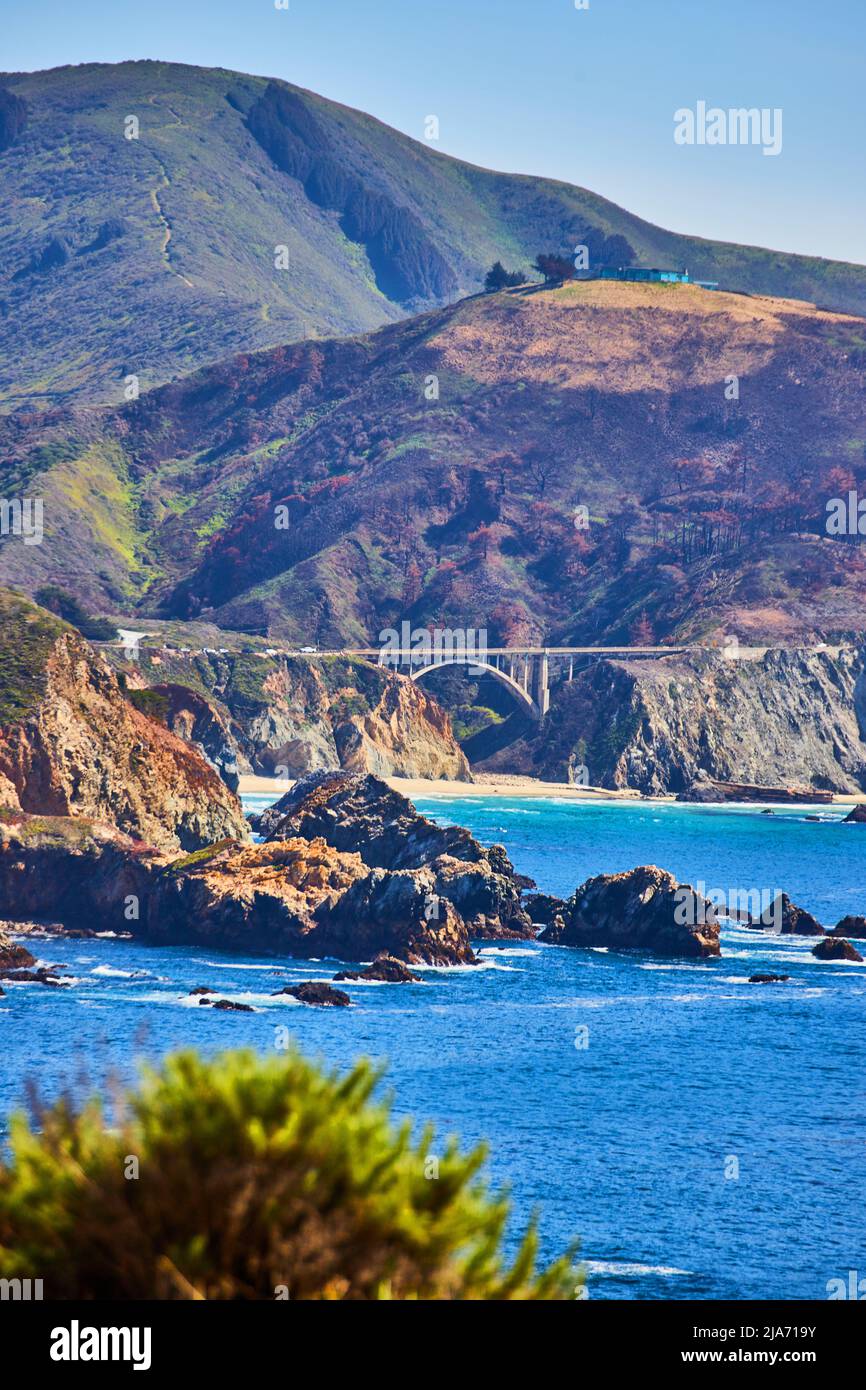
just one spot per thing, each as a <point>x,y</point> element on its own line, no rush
<point>644,274</point>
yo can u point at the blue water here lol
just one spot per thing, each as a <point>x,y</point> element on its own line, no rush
<point>689,1069</point>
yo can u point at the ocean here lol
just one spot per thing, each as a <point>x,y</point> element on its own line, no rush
<point>702,1137</point>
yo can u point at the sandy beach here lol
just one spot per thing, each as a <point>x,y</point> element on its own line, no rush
<point>492,785</point>
<point>498,785</point>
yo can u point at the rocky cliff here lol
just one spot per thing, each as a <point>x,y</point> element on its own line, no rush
<point>72,745</point>
<point>287,716</point>
<point>792,717</point>
<point>355,873</point>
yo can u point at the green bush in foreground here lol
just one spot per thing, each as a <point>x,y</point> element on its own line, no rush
<point>256,1179</point>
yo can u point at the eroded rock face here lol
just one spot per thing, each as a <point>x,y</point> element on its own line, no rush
<point>396,912</point>
<point>288,716</point>
<point>836,948</point>
<point>857,815</point>
<point>249,897</point>
<point>656,725</point>
<point>406,734</point>
<point>196,721</point>
<point>361,814</point>
<point>644,909</point>
<point>73,871</point>
<point>294,897</point>
<point>71,745</point>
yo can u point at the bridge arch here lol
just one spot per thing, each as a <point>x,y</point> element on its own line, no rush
<point>522,697</point>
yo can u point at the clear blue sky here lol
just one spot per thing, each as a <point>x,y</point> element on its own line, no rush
<point>536,86</point>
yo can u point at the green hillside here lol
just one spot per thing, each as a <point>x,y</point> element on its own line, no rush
<point>154,256</point>
<point>318,493</point>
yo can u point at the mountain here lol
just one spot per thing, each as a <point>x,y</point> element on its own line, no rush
<point>581,476</point>
<point>72,746</point>
<point>152,256</point>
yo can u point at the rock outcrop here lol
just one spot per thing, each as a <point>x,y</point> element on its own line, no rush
<point>72,745</point>
<point>13,956</point>
<point>655,724</point>
<point>287,716</point>
<point>293,897</point>
<point>836,948</point>
<point>318,993</point>
<point>644,909</point>
<point>385,969</point>
<point>361,814</point>
<point>857,815</point>
<point>768,979</point>
<point>73,871</point>
<point>197,721</point>
<point>787,919</point>
<point>851,926</point>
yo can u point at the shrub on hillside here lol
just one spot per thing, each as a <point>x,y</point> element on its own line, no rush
<point>244,1178</point>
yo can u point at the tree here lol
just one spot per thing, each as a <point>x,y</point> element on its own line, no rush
<point>67,607</point>
<point>255,1178</point>
<point>498,278</point>
<point>642,633</point>
<point>554,268</point>
<point>481,538</point>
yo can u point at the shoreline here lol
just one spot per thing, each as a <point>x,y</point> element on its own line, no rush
<point>502,785</point>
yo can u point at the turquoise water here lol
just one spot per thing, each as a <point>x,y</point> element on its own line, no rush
<point>689,1073</point>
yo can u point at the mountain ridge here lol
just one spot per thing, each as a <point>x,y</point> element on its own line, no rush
<point>149,258</point>
<point>314,492</point>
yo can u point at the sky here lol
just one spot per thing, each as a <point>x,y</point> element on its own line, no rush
<point>542,87</point>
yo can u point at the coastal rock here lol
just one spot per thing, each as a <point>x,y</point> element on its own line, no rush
<point>657,723</point>
<point>13,956</point>
<point>75,871</point>
<point>399,913</point>
<point>361,814</point>
<point>249,897</point>
<point>702,790</point>
<point>229,1006</point>
<point>857,815</point>
<point>197,722</point>
<point>644,909</point>
<point>543,908</point>
<point>71,744</point>
<point>289,715</point>
<point>787,919</point>
<point>767,979</point>
<point>851,927</point>
<point>836,948</point>
<point>318,993</point>
<point>385,968</point>
<point>42,976</point>
<point>286,897</point>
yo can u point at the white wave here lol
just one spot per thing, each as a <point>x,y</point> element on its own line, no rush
<point>684,965</point>
<point>508,951</point>
<point>121,974</point>
<point>629,1269</point>
<point>234,965</point>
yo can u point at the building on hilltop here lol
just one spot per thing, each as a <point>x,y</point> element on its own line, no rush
<point>645,273</point>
